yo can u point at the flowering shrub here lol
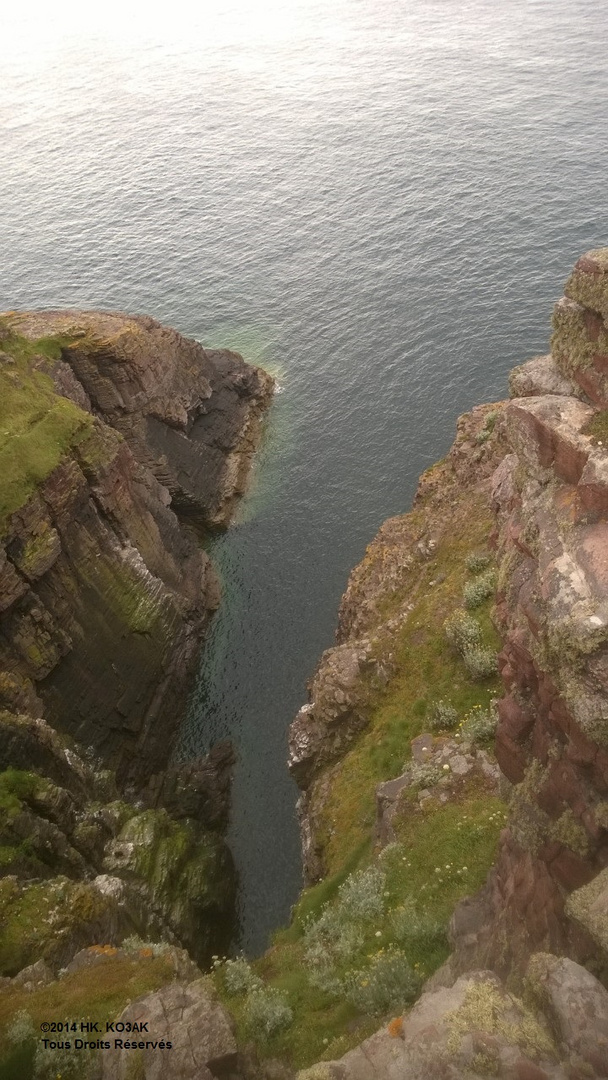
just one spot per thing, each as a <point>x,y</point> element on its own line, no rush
<point>21,1028</point>
<point>267,1011</point>
<point>479,725</point>
<point>337,935</point>
<point>443,716</point>
<point>462,630</point>
<point>424,774</point>
<point>476,562</point>
<point>360,896</point>
<point>66,1064</point>
<point>480,662</point>
<point>330,939</point>
<point>475,592</point>
<point>389,983</point>
<point>239,978</point>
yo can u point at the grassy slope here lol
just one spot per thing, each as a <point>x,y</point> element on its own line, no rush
<point>97,993</point>
<point>37,426</point>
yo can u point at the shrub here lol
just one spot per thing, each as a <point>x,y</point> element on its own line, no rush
<point>239,978</point>
<point>480,662</point>
<point>388,984</point>
<point>21,1028</point>
<point>360,896</point>
<point>476,562</point>
<point>425,774</point>
<point>475,592</point>
<point>488,427</point>
<point>267,1011</point>
<point>462,630</point>
<point>413,929</point>
<point>331,939</point>
<point>65,1064</point>
<point>443,716</point>
<point>479,725</point>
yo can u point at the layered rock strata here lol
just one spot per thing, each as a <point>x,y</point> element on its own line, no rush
<point>551,500</point>
<point>119,436</point>
<point>104,594</point>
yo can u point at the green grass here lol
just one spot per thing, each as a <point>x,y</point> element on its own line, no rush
<point>37,426</point>
<point>597,428</point>
<point>15,787</point>
<point>428,669</point>
<point>99,992</point>
<point>442,854</point>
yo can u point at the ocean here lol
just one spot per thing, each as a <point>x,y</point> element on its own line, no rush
<point>379,202</point>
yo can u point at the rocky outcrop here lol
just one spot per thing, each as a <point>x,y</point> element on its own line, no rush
<point>551,499</point>
<point>191,415</point>
<point>355,671</point>
<point>104,594</point>
<point>193,1037</point>
<point>476,1028</point>
<point>80,865</point>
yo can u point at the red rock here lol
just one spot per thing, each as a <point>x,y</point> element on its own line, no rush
<point>524,1069</point>
<point>571,871</point>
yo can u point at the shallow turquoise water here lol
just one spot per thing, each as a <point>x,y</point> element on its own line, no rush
<point>380,201</point>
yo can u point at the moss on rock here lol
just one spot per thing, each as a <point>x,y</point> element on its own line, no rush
<point>188,873</point>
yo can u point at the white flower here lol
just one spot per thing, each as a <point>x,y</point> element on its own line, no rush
<point>446,766</point>
<point>378,933</point>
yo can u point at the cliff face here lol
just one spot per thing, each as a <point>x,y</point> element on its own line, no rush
<point>537,470</point>
<point>117,438</point>
<point>104,593</point>
<point>551,501</point>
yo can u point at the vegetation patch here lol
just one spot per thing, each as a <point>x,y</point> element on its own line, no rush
<point>37,426</point>
<point>99,992</point>
<point>597,428</point>
<point>36,920</point>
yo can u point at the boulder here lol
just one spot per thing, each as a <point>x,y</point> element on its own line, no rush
<point>197,1033</point>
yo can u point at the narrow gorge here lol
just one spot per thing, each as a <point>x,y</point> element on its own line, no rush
<point>452,757</point>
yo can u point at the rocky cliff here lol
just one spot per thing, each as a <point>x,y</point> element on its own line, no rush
<point>539,474</point>
<point>120,442</point>
<point>116,430</point>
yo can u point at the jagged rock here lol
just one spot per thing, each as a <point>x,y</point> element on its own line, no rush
<point>551,502</point>
<point>70,916</point>
<point>473,1028</point>
<point>199,1030</point>
<point>588,907</point>
<point>540,376</point>
<point>188,413</point>
<point>327,725</point>
<point>198,789</point>
<point>576,1005</point>
<point>183,876</point>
